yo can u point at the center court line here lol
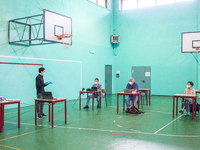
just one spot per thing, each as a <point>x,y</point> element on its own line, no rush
<point>118,131</point>
<point>167,124</point>
<point>10,147</point>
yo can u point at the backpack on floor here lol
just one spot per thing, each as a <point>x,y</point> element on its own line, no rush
<point>197,109</point>
<point>136,110</point>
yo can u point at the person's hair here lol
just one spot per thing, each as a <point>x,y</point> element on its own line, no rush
<point>191,83</point>
<point>132,79</point>
<point>96,79</point>
<point>41,69</point>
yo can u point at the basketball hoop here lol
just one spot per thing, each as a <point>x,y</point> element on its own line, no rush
<point>66,39</point>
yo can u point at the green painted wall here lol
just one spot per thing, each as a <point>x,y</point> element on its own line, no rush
<point>92,27</point>
<point>151,36</point>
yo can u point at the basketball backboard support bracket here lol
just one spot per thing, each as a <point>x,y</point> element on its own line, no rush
<point>38,29</point>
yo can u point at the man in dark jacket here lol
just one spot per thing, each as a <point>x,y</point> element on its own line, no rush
<point>40,88</point>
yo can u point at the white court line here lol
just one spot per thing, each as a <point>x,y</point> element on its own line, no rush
<point>167,124</point>
<point>117,131</point>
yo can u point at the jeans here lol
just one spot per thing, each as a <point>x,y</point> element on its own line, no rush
<point>186,104</point>
<point>128,99</point>
<point>40,104</point>
<point>90,96</point>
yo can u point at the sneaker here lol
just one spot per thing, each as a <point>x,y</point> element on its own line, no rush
<point>86,107</point>
<point>186,115</point>
<point>40,116</point>
<point>43,115</point>
<point>181,111</point>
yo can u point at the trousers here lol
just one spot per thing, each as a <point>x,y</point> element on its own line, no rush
<point>187,104</point>
<point>40,105</point>
<point>128,99</point>
<point>90,96</point>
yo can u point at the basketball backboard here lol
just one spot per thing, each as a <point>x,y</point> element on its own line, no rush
<point>190,42</point>
<point>55,24</point>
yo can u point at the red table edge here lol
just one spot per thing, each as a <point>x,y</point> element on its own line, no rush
<point>54,101</point>
<point>2,113</point>
<point>133,94</point>
<point>194,102</point>
<point>89,92</point>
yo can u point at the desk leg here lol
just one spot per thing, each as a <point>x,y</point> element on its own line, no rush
<point>173,107</point>
<point>93,101</point>
<point>177,106</point>
<point>117,103</point>
<point>18,114</point>
<point>193,109</point>
<point>123,102</point>
<point>65,111</point>
<point>52,114</point>
<point>49,112</point>
<point>35,112</point>
<point>133,105</point>
<point>3,113</point>
<point>1,123</point>
<point>149,97</point>
<point>80,101</point>
<point>100,100</point>
<point>146,97</point>
<point>195,106</point>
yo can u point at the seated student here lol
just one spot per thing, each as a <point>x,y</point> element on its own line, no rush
<point>134,87</point>
<point>190,91</point>
<point>96,84</point>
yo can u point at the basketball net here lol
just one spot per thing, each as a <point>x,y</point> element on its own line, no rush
<point>66,43</point>
<point>196,52</point>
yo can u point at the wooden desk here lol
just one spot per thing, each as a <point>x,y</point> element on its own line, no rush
<point>197,91</point>
<point>176,96</point>
<point>130,94</point>
<point>89,92</point>
<point>7,102</point>
<point>52,102</point>
<point>146,91</point>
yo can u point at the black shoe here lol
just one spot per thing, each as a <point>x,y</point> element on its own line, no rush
<point>98,106</point>
<point>43,115</point>
<point>186,115</point>
<point>181,111</point>
<point>86,107</point>
<point>40,116</point>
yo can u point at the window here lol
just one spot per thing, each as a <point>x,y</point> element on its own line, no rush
<point>146,3</point>
<point>102,3</point>
<point>161,2</point>
<point>129,4</point>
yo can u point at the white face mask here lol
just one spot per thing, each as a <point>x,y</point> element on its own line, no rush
<point>95,82</point>
<point>130,83</point>
<point>188,86</point>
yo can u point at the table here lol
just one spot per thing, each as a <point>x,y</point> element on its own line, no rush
<point>130,94</point>
<point>52,103</point>
<point>89,92</point>
<point>176,96</point>
<point>7,102</point>
<point>146,91</point>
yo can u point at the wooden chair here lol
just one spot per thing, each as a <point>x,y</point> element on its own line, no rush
<point>103,91</point>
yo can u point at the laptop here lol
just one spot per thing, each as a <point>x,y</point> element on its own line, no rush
<point>128,91</point>
<point>48,95</point>
<point>94,88</point>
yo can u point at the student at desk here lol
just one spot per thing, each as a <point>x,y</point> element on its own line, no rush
<point>96,84</point>
<point>134,87</point>
<point>40,88</point>
<point>190,91</point>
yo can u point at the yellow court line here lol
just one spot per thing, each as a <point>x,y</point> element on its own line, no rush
<point>10,147</point>
<point>20,135</point>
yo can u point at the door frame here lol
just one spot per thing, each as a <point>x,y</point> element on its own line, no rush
<point>105,77</point>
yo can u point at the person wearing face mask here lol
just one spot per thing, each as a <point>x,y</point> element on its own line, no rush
<point>96,84</point>
<point>40,88</point>
<point>190,91</point>
<point>134,88</point>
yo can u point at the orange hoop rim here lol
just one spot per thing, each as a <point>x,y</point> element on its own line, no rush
<point>60,37</point>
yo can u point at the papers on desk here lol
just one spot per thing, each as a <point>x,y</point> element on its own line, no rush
<point>12,100</point>
<point>2,98</point>
<point>133,91</point>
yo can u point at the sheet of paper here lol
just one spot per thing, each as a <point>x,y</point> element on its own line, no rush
<point>147,74</point>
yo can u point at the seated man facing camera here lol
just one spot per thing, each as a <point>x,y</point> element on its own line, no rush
<point>134,88</point>
<point>190,91</point>
<point>96,84</point>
